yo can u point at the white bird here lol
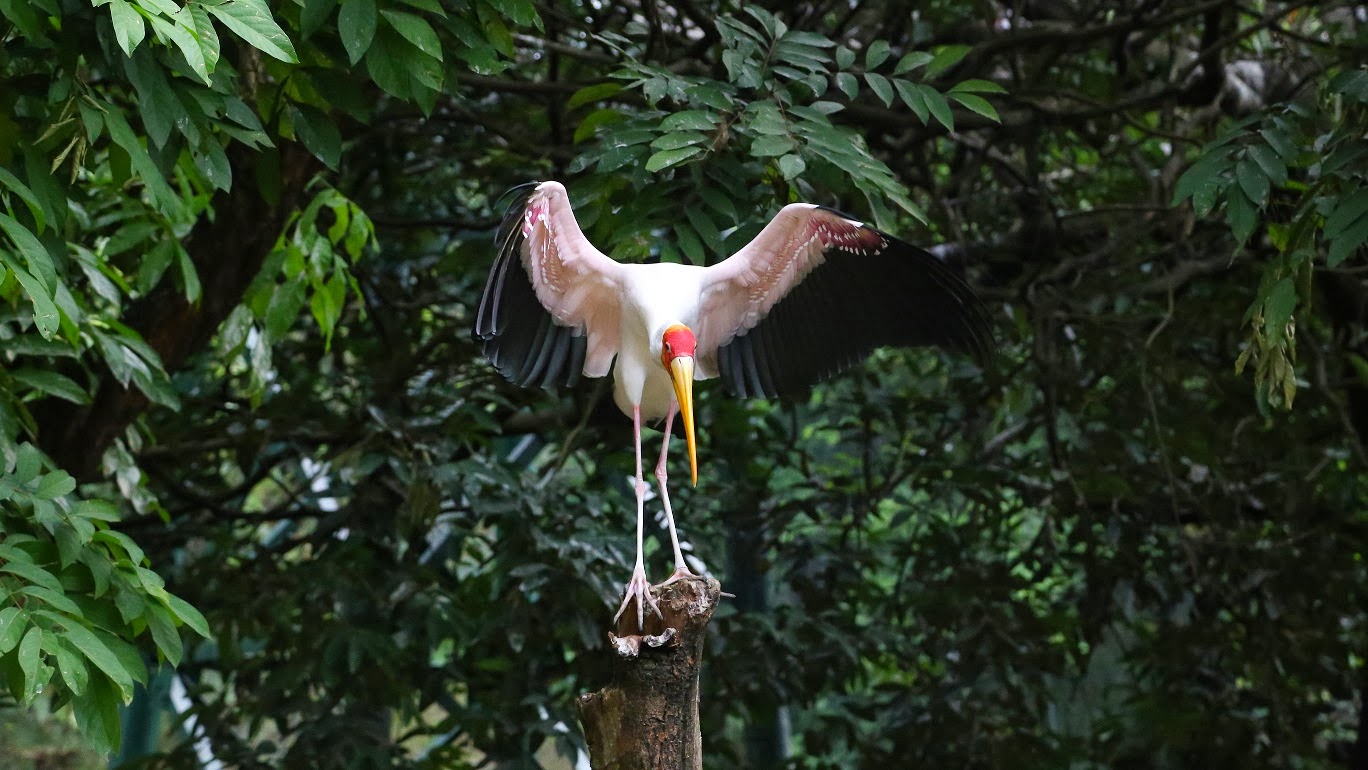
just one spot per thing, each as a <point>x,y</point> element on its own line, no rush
<point>812,294</point>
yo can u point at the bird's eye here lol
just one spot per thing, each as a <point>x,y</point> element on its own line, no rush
<point>667,347</point>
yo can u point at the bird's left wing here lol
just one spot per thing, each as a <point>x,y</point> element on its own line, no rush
<point>551,306</point>
<point>815,292</point>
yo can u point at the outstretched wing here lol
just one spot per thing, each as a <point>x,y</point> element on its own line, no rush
<point>550,308</point>
<point>815,292</point>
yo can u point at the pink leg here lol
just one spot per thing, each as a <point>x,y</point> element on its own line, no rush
<point>638,587</point>
<point>681,569</point>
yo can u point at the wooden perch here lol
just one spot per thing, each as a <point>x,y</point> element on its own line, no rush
<point>647,719</point>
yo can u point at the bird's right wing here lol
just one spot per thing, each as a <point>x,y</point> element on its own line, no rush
<point>551,306</point>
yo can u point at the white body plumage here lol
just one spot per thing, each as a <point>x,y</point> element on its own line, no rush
<point>654,297</point>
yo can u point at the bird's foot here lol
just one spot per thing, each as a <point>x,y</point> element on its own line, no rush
<point>639,588</point>
<point>681,572</point>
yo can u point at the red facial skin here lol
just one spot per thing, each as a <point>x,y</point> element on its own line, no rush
<point>678,340</point>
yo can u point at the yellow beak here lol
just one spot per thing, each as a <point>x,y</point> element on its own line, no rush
<point>682,372</point>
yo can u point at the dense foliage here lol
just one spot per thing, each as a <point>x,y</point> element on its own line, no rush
<point>241,245</point>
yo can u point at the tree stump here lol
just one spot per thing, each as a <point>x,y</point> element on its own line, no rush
<point>647,719</point>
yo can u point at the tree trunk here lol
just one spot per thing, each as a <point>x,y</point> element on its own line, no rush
<point>647,719</point>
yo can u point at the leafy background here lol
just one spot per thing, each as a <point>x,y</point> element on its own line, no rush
<point>246,435</point>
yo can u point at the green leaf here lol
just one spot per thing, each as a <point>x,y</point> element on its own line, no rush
<point>186,41</point>
<point>188,615</point>
<point>53,384</point>
<point>128,25</point>
<point>52,598</point>
<point>1278,306</point>
<point>35,207</point>
<point>766,19</point>
<point>189,275</point>
<point>208,40</point>
<point>251,20</point>
<point>98,653</point>
<point>68,543</point>
<point>881,87</point>
<point>33,251</point>
<point>130,603</point>
<point>1272,166</point>
<point>21,14</point>
<point>912,61</point>
<point>286,303</point>
<point>521,12</point>
<point>314,14</point>
<point>705,226</point>
<point>1241,214</point>
<point>946,58</point>
<point>593,93</point>
<point>977,104</point>
<point>112,537</point>
<point>28,461</point>
<point>675,141</point>
<point>325,311</point>
<point>1347,212</point>
<point>97,510</point>
<point>848,84</point>
<point>791,166</point>
<point>1353,83</point>
<point>940,109</point>
<point>45,314</point>
<point>30,656</point>
<point>810,38</point>
<point>1280,143</point>
<point>97,714</point>
<point>877,54</point>
<point>769,146</point>
<point>164,633</point>
<point>318,133</point>
<point>163,196</point>
<point>689,120</point>
<point>1348,241</point>
<point>709,96</point>
<point>689,243</point>
<point>32,573</point>
<point>1252,181</point>
<point>72,668</point>
<point>53,486</point>
<point>666,158</point>
<point>976,86</point>
<point>356,24</point>
<point>157,103</point>
<point>431,6</point>
<point>844,57</point>
<point>416,30</point>
<point>1205,172</point>
<point>719,202</point>
<point>912,97</point>
<point>12,625</point>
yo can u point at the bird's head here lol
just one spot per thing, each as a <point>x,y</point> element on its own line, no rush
<point>677,346</point>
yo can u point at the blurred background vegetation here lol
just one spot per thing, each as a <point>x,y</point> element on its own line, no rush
<point>246,434</point>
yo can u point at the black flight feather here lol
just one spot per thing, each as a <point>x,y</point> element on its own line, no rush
<point>852,303</point>
<point>513,330</point>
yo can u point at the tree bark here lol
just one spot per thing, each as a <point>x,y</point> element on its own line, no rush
<point>647,719</point>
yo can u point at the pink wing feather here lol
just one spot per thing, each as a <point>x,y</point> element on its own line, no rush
<point>551,306</point>
<point>815,292</point>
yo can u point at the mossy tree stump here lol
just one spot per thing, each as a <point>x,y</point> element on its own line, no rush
<point>647,719</point>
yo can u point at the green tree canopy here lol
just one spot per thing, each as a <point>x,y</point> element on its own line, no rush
<point>246,433</point>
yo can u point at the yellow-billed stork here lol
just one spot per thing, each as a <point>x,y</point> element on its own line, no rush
<point>812,294</point>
